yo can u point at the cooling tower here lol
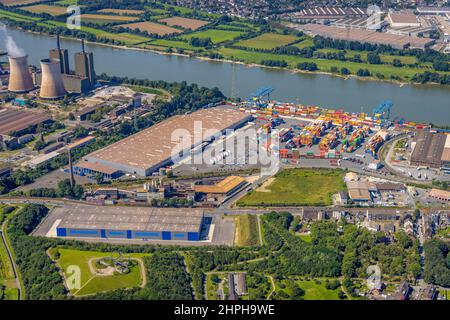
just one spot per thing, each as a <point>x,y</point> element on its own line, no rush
<point>19,75</point>
<point>52,86</point>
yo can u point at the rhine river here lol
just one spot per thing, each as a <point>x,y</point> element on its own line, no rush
<point>424,103</point>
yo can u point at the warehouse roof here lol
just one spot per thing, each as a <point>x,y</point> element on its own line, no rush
<point>156,144</point>
<point>223,186</point>
<point>131,218</point>
<point>446,152</point>
<point>440,194</point>
<point>359,194</point>
<point>17,120</point>
<point>403,17</point>
<point>97,167</point>
<point>429,148</point>
<point>80,142</point>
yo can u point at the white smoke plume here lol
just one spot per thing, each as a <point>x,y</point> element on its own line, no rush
<point>11,46</point>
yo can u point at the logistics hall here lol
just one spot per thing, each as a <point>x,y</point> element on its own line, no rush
<point>140,223</point>
<point>145,152</point>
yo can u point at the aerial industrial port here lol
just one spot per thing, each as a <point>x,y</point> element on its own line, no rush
<point>240,198</point>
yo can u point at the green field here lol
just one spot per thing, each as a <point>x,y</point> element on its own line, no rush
<point>268,41</point>
<point>246,230</point>
<point>17,17</point>
<point>172,44</point>
<point>6,269</point>
<point>91,283</point>
<point>313,290</point>
<point>297,187</point>
<point>323,64</point>
<point>125,37</point>
<point>216,36</point>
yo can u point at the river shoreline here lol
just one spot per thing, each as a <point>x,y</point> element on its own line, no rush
<point>250,65</point>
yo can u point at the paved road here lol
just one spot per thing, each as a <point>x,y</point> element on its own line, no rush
<point>13,263</point>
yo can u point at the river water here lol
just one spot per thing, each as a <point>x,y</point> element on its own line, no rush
<point>424,103</point>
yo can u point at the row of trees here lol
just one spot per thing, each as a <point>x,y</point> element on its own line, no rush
<point>437,262</point>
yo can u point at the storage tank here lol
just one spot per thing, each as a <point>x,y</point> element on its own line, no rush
<point>52,86</point>
<point>19,75</point>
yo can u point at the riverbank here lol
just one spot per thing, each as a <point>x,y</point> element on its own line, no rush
<point>248,64</point>
<point>240,80</point>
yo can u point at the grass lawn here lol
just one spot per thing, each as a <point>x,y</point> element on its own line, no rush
<point>246,230</point>
<point>298,187</point>
<point>91,283</point>
<point>172,44</point>
<point>305,237</point>
<point>216,36</point>
<point>313,290</point>
<point>268,41</point>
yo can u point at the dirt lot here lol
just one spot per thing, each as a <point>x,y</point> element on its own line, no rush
<point>151,27</point>
<point>122,11</point>
<point>185,23</point>
<point>43,8</point>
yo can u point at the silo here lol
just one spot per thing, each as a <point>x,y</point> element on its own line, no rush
<point>19,75</point>
<point>52,86</point>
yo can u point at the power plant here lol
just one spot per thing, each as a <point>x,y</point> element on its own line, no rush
<point>55,77</point>
<point>52,86</point>
<point>62,55</point>
<point>84,65</point>
<point>20,80</point>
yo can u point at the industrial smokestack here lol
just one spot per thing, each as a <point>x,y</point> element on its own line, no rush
<point>52,86</point>
<point>19,75</point>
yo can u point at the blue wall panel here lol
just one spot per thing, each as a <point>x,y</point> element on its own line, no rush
<point>193,236</point>
<point>128,234</point>
<point>61,232</point>
<point>103,233</point>
<point>166,235</point>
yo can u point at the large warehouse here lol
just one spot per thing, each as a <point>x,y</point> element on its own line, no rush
<point>145,152</point>
<point>431,149</point>
<point>83,221</point>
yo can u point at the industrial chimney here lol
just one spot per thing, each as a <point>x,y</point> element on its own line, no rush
<point>19,76</point>
<point>52,86</point>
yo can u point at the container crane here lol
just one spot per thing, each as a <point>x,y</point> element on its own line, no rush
<point>258,96</point>
<point>382,112</point>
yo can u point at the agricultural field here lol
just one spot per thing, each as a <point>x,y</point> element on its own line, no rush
<point>172,44</point>
<point>125,37</point>
<point>297,187</point>
<point>305,42</point>
<point>123,11</point>
<point>11,3</point>
<point>151,28</point>
<point>43,8</point>
<point>17,17</point>
<point>268,41</point>
<point>103,18</point>
<point>246,230</point>
<point>216,36</point>
<point>184,23</point>
<point>314,289</point>
<point>92,281</point>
